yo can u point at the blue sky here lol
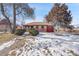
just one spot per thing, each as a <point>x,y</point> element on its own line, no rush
<point>75,13</point>
<point>42,9</point>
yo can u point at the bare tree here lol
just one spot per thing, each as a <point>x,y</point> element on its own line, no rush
<point>15,11</point>
<point>4,14</point>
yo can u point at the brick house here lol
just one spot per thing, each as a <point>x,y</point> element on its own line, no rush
<point>4,25</point>
<point>40,26</point>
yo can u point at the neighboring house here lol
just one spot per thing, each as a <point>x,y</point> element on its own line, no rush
<point>40,26</point>
<point>68,28</point>
<point>18,27</point>
<point>4,25</point>
<point>64,29</point>
<point>76,29</point>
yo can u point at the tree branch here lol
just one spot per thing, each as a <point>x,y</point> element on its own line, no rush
<point>3,13</point>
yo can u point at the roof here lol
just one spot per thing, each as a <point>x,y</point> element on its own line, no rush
<point>4,21</point>
<point>37,23</point>
<point>19,27</point>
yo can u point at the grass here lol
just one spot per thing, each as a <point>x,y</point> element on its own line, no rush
<point>4,37</point>
<point>8,36</point>
<point>20,43</point>
<point>11,51</point>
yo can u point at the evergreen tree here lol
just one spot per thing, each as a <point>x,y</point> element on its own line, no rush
<point>59,15</point>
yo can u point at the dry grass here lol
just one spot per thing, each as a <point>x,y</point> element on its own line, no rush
<point>4,37</point>
<point>20,43</point>
<point>12,53</point>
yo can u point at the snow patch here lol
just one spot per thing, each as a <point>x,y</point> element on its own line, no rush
<point>7,44</point>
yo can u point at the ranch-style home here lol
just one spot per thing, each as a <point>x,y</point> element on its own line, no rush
<point>40,26</point>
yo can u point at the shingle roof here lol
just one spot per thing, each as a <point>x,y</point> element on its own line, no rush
<point>37,23</point>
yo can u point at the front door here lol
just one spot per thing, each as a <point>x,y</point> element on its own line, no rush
<point>50,29</point>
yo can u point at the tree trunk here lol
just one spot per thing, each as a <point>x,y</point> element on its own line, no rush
<point>14,19</point>
<point>7,18</point>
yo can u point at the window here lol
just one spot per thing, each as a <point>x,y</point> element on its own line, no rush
<point>36,26</point>
<point>31,26</point>
<point>42,26</point>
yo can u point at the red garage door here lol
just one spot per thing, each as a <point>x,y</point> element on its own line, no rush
<point>50,29</point>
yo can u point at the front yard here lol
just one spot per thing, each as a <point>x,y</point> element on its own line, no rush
<point>4,37</point>
<point>44,44</point>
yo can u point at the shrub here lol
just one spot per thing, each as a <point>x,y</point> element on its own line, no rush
<point>20,31</point>
<point>33,32</point>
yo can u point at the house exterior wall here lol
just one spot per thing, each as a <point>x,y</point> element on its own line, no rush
<point>4,28</point>
<point>40,28</point>
<point>45,28</point>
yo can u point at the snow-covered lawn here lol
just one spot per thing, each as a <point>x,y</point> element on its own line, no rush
<point>48,44</point>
